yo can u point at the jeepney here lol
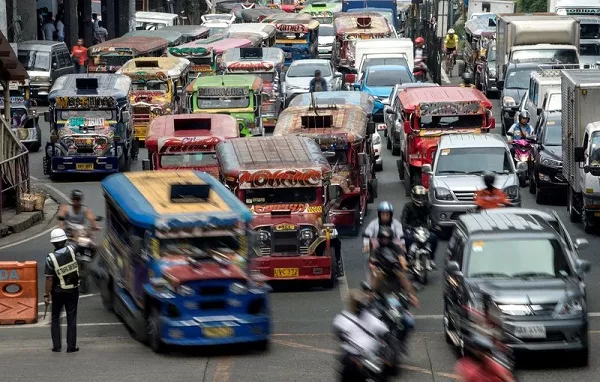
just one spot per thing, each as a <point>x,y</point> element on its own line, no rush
<point>257,15</point>
<point>189,32</point>
<point>157,20</point>
<point>344,135</point>
<point>291,6</point>
<point>109,56</point>
<point>90,131</point>
<point>334,98</point>
<point>240,96</point>
<point>201,54</point>
<point>174,264</point>
<point>157,88</point>
<point>479,35</point>
<point>188,141</point>
<point>322,12</point>
<point>288,197</point>
<point>24,121</point>
<point>266,31</point>
<point>266,63</point>
<point>296,34</point>
<point>350,27</point>
<point>174,38</point>
<point>426,113</point>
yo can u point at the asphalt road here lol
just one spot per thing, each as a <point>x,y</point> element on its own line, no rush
<point>302,345</point>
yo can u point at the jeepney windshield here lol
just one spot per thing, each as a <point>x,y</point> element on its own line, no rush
<point>266,77</point>
<point>216,30</point>
<point>590,31</point>
<point>452,121</point>
<point>198,246</point>
<point>188,160</point>
<point>153,85</point>
<point>280,195</point>
<point>113,60</point>
<point>337,157</point>
<point>65,115</point>
<point>224,103</point>
<point>201,60</point>
<point>18,116</point>
<point>34,60</point>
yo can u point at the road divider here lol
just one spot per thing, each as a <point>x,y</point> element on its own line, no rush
<point>18,293</point>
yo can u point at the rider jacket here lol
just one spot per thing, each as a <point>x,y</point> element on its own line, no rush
<point>415,216</point>
<point>518,130</point>
<point>494,198</point>
<point>372,231</point>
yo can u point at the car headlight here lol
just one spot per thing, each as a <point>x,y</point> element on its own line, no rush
<point>508,102</point>
<point>568,308</point>
<point>443,194</point>
<point>512,192</point>
<point>237,288</point>
<point>546,161</point>
<point>306,234</point>
<point>184,290</point>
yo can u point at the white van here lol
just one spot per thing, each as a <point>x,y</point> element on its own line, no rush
<point>384,47</point>
<point>156,20</point>
<point>540,84</point>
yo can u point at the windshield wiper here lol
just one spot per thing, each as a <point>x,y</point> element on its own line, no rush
<point>489,274</point>
<point>526,275</point>
<point>451,172</point>
<point>502,172</point>
<point>475,172</point>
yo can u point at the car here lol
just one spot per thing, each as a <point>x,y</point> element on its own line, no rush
<point>459,162</point>
<point>326,39</point>
<point>379,81</point>
<point>486,78</point>
<point>534,279</point>
<point>512,88</point>
<point>376,140</point>
<point>546,176</point>
<point>301,72</point>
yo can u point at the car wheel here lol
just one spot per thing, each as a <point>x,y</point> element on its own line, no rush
<point>395,150</point>
<point>388,143</point>
<point>573,214</point>
<point>532,184</point>
<point>540,196</point>
<point>582,357</point>
<point>153,328</point>
<point>379,167</point>
<point>588,227</point>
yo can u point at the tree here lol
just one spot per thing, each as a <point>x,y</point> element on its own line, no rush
<point>532,5</point>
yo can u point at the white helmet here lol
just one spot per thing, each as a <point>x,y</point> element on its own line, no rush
<point>450,31</point>
<point>57,235</point>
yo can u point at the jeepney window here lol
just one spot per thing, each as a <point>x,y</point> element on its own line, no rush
<point>340,157</point>
<point>266,77</point>
<point>34,60</point>
<point>187,160</point>
<point>154,85</point>
<point>65,115</point>
<point>118,224</point>
<point>223,103</point>
<point>452,121</point>
<point>216,30</point>
<point>114,60</point>
<point>18,116</point>
<point>64,60</point>
<point>589,31</point>
<point>201,60</point>
<point>589,49</point>
<point>280,195</point>
<point>198,246</point>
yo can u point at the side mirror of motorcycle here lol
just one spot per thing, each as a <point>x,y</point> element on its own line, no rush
<point>426,169</point>
<point>452,268</point>
<point>99,218</point>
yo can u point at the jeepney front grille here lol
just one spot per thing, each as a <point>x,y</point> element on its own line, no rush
<point>141,114</point>
<point>285,242</point>
<point>213,305</point>
<point>303,250</point>
<point>268,108</point>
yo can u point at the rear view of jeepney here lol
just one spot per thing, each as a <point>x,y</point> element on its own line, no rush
<point>184,279</point>
<point>202,59</point>
<point>343,133</point>
<point>297,35</point>
<point>266,63</point>
<point>239,96</point>
<point>457,110</point>
<point>287,195</point>
<point>110,56</point>
<point>89,121</point>
<point>23,120</point>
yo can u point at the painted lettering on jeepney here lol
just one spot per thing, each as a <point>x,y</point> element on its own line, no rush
<point>104,49</point>
<point>449,108</point>
<point>187,144</point>
<point>85,102</point>
<point>280,178</point>
<point>147,76</point>
<point>255,66</point>
<point>223,92</point>
<point>365,36</point>
<point>189,52</point>
<point>268,208</point>
<point>82,121</point>
<point>201,68</point>
<point>320,13</point>
<point>291,28</point>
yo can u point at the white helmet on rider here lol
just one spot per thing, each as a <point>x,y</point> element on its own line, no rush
<point>57,235</point>
<point>451,31</point>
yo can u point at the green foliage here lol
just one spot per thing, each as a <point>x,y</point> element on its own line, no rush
<point>532,6</point>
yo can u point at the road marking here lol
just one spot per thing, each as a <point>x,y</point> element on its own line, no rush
<point>29,238</point>
<point>222,373</point>
<point>444,76</point>
<point>59,192</point>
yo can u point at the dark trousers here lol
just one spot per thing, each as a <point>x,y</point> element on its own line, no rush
<point>69,300</point>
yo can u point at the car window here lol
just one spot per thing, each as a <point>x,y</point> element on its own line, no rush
<point>305,70</point>
<point>473,160</point>
<point>326,30</point>
<point>518,78</point>
<point>387,77</point>
<point>456,248</point>
<point>63,59</point>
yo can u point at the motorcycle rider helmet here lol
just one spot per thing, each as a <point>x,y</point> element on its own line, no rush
<point>488,179</point>
<point>419,40</point>
<point>467,78</point>
<point>385,206</point>
<point>451,31</point>
<point>524,115</point>
<point>57,235</point>
<point>76,195</point>
<point>419,195</point>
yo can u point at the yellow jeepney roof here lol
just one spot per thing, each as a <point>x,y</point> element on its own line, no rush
<point>171,66</point>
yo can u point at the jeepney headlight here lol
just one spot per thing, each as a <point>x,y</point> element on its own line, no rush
<point>184,291</point>
<point>168,110</point>
<point>157,111</point>
<point>306,234</point>
<point>263,236</point>
<point>238,288</point>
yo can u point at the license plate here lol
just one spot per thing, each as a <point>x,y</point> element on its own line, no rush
<point>530,331</point>
<point>286,272</point>
<point>218,332</point>
<point>84,166</point>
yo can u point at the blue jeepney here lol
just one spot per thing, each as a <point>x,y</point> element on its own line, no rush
<point>297,35</point>
<point>89,124</point>
<point>174,265</point>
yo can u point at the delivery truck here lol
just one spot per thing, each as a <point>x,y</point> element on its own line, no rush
<point>490,6</point>
<point>542,37</point>
<point>575,7</point>
<point>581,144</point>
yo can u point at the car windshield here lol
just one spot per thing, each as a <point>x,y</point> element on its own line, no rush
<point>280,195</point>
<point>589,49</point>
<point>589,31</point>
<point>326,30</point>
<point>553,134</point>
<point>595,149</point>
<point>452,121</point>
<point>197,247</point>
<point>400,61</point>
<point>518,78</point>
<point>160,86</point>
<point>516,258</point>
<point>34,60</point>
<point>473,160</point>
<point>65,115</point>
<point>110,60</point>
<point>308,70</point>
<point>188,160</point>
<point>387,78</point>
<point>149,26</point>
<point>562,56</point>
<point>223,103</point>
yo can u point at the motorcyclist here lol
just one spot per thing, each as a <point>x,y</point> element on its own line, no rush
<point>478,366</point>
<point>318,83</point>
<point>467,81</point>
<point>420,48</point>
<point>415,214</point>
<point>490,197</point>
<point>520,129</point>
<point>385,217</point>
<point>76,212</point>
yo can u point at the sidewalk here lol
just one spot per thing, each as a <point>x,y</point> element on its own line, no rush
<point>13,224</point>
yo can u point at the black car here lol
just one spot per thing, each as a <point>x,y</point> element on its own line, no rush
<point>546,177</point>
<point>533,276</point>
<point>485,75</point>
<point>513,87</point>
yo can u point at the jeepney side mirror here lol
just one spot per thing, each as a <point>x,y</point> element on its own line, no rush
<point>47,116</point>
<point>362,158</point>
<point>334,191</point>
<point>146,165</point>
<point>125,116</point>
<point>579,154</point>
<point>370,128</point>
<point>539,110</point>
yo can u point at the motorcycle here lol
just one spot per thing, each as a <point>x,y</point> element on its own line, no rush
<point>370,366</point>
<point>420,70</point>
<point>419,254</point>
<point>523,157</point>
<point>80,235</point>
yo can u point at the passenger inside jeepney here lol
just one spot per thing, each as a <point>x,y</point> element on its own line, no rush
<point>280,195</point>
<point>452,121</point>
<point>188,160</point>
<point>154,85</point>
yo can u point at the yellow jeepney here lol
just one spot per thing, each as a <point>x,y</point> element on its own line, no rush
<point>158,85</point>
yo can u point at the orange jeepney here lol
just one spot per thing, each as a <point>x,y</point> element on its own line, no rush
<point>288,196</point>
<point>188,141</point>
<point>344,134</point>
<point>109,56</point>
<point>426,113</point>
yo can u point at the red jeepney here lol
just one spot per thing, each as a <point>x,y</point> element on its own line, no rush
<point>344,134</point>
<point>188,141</point>
<point>426,113</point>
<point>284,182</point>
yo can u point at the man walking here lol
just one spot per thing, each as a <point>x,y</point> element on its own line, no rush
<point>79,56</point>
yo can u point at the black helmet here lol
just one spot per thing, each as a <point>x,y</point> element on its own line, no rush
<point>419,195</point>
<point>467,78</point>
<point>489,178</point>
<point>76,195</point>
<point>524,114</point>
<point>385,232</point>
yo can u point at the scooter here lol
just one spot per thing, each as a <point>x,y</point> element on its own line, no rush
<point>420,70</point>
<point>523,157</point>
<point>419,254</point>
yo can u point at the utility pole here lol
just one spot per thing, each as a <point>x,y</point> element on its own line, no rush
<point>3,18</point>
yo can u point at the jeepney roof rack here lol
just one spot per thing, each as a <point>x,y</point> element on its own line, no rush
<point>147,64</point>
<point>180,124</point>
<point>86,83</point>
<point>363,22</point>
<point>317,121</point>
<point>251,53</point>
<point>190,193</point>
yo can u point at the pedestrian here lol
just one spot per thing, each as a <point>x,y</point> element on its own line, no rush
<point>101,33</point>
<point>79,56</point>
<point>62,283</point>
<point>60,28</point>
<point>49,28</point>
<point>95,27</point>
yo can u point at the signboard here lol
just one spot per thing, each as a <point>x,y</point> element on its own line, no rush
<point>449,108</point>
<point>223,92</point>
<point>175,145</point>
<point>82,121</point>
<point>365,36</point>
<point>111,49</point>
<point>280,178</point>
<point>582,11</point>
<point>13,100</point>
<point>85,102</point>
<point>292,207</point>
<point>291,28</point>
<point>189,52</point>
<point>285,227</point>
<point>201,68</point>
<point>251,66</point>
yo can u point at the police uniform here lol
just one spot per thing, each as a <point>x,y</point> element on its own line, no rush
<point>62,267</point>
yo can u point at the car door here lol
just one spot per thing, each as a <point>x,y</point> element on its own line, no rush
<point>453,283</point>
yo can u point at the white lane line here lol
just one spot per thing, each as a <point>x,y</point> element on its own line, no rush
<point>28,239</point>
<point>444,76</point>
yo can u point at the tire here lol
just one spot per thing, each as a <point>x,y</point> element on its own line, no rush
<point>540,196</point>
<point>447,326</point>
<point>532,185</point>
<point>588,227</point>
<point>574,216</point>
<point>395,150</point>
<point>330,283</point>
<point>263,346</point>
<point>388,143</point>
<point>379,167</point>
<point>153,329</point>
<point>123,163</point>
<point>582,357</point>
<point>401,173</point>
<point>522,181</point>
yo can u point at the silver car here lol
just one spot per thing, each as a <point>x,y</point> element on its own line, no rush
<point>459,162</point>
<point>301,72</point>
<point>326,39</point>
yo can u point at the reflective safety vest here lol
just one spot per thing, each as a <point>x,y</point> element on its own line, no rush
<point>66,268</point>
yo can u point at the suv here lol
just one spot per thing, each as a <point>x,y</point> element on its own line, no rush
<point>534,277</point>
<point>513,87</point>
<point>458,164</point>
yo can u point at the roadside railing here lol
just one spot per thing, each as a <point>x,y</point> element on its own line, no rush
<point>14,167</point>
